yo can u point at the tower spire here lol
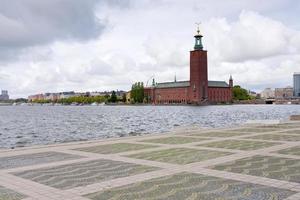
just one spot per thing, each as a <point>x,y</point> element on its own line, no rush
<point>198,39</point>
<point>230,81</point>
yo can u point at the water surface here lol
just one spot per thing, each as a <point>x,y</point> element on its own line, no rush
<point>31,125</point>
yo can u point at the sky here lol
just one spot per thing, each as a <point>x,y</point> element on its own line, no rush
<point>102,45</point>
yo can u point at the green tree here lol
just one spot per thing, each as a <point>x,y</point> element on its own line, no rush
<point>240,93</point>
<point>113,97</point>
<point>137,92</point>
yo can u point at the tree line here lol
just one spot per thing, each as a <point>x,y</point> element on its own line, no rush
<point>113,98</point>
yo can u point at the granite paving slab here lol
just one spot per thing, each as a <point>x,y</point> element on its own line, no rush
<point>192,186</point>
<point>277,137</point>
<point>279,126</point>
<point>265,166</point>
<point>239,144</point>
<point>115,148</point>
<point>7,194</point>
<point>34,159</point>
<point>291,151</point>
<point>175,140</point>
<point>255,130</point>
<point>179,155</point>
<point>84,173</point>
<point>296,131</point>
<point>220,134</point>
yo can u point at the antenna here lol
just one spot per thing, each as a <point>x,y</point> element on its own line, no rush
<point>198,27</point>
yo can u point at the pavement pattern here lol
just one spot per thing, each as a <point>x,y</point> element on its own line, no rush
<point>254,162</point>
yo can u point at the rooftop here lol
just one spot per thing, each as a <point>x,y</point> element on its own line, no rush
<point>187,84</point>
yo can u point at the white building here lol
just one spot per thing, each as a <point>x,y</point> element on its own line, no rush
<point>267,93</point>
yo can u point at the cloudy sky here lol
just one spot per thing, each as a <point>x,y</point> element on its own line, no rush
<point>97,45</point>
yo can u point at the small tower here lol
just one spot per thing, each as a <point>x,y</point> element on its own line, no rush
<point>175,79</point>
<point>230,82</point>
<point>198,40</point>
<point>153,82</point>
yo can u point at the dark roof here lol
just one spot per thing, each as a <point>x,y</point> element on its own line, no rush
<point>173,84</point>
<point>217,84</point>
<point>187,84</point>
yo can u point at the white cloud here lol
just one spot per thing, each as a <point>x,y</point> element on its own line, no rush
<point>146,38</point>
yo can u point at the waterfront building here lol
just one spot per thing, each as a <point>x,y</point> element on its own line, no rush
<point>252,94</point>
<point>198,90</point>
<point>128,97</point>
<point>284,93</point>
<point>297,84</point>
<point>4,95</point>
<point>65,95</point>
<point>36,97</point>
<point>267,93</point>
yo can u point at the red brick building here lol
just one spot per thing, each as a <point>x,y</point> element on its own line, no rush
<point>198,90</point>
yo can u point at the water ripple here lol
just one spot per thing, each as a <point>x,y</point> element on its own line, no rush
<point>30,125</point>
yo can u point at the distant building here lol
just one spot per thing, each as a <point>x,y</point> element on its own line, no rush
<point>4,95</point>
<point>65,95</point>
<point>297,84</point>
<point>284,93</point>
<point>128,97</point>
<point>267,93</point>
<point>35,97</point>
<point>51,96</point>
<point>252,93</point>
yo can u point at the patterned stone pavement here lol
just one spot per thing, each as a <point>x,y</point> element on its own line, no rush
<point>33,159</point>
<point>115,148</point>
<point>265,166</point>
<point>192,186</point>
<point>175,140</point>
<point>220,134</point>
<point>9,194</point>
<point>277,137</point>
<point>179,155</point>
<point>291,151</point>
<point>240,144</point>
<point>255,162</point>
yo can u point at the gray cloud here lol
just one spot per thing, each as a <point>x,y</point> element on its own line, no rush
<point>29,23</point>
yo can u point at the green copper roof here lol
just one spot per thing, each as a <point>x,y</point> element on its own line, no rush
<point>217,84</point>
<point>187,84</point>
<point>173,84</point>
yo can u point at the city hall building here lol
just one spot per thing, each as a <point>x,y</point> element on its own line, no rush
<point>198,90</point>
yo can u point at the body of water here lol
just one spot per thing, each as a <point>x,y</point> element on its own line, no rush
<point>30,125</point>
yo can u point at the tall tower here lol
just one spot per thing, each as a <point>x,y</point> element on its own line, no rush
<point>198,72</point>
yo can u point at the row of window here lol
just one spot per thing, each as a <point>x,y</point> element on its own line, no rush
<point>182,101</point>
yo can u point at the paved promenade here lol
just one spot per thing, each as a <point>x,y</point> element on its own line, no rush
<point>257,162</point>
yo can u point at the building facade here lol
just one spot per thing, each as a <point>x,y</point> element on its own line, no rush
<point>296,85</point>
<point>198,90</point>
<point>4,95</point>
<point>267,93</point>
<point>284,93</point>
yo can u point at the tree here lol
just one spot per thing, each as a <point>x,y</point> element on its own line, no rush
<point>240,93</point>
<point>113,97</point>
<point>137,92</point>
